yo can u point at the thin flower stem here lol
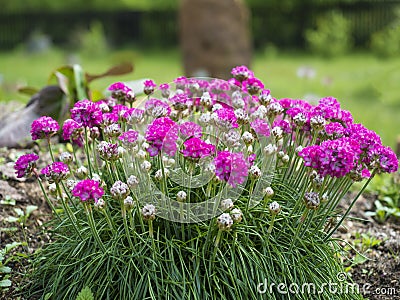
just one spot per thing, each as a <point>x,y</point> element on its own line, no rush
<point>50,150</point>
<point>68,211</point>
<point>128,234</point>
<point>271,225</point>
<point>47,199</point>
<point>87,152</point>
<point>349,208</point>
<point>92,226</point>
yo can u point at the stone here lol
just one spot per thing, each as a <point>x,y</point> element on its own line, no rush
<point>215,37</point>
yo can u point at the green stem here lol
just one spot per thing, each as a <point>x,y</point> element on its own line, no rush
<point>349,208</point>
<point>68,211</point>
<point>128,234</point>
<point>50,150</point>
<point>87,152</point>
<point>47,199</point>
<point>271,225</point>
<point>92,226</point>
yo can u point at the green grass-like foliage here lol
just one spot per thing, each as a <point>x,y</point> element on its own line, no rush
<point>171,266</point>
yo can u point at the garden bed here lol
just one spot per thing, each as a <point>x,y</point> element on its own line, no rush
<point>377,275</point>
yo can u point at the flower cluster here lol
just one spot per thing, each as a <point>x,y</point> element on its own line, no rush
<point>56,171</point>
<point>88,190</point>
<point>231,167</point>
<point>195,148</point>
<point>25,165</point>
<point>44,128</point>
<point>87,113</point>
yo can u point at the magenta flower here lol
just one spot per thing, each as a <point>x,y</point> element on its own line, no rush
<point>334,130</point>
<point>122,92</point>
<point>157,108</point>
<point>180,101</point>
<point>44,128</point>
<point>190,129</point>
<point>25,165</point>
<point>333,157</point>
<point>88,190</point>
<point>386,159</point>
<point>73,131</point>
<point>156,133</point>
<point>87,113</point>
<point>284,125</point>
<point>231,167</point>
<point>225,119</point>
<point>218,86</point>
<point>120,109</point>
<point>253,85</point>
<point>134,115</point>
<point>108,151</point>
<point>164,88</point>
<point>181,82</point>
<point>149,86</point>
<point>260,127</point>
<point>196,148</point>
<point>56,171</point>
<point>129,137</point>
<point>241,73</point>
<point>110,118</point>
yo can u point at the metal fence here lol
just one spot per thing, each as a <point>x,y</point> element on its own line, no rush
<point>283,28</point>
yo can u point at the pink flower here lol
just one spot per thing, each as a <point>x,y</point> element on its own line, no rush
<point>25,165</point>
<point>44,128</point>
<point>225,119</point>
<point>156,133</point>
<point>157,108</point>
<point>129,137</point>
<point>196,148</point>
<point>73,131</point>
<point>260,127</point>
<point>241,73</point>
<point>88,190</point>
<point>190,129</point>
<point>134,115</point>
<point>56,171</point>
<point>231,167</point>
<point>87,113</point>
<point>149,86</point>
<point>253,85</point>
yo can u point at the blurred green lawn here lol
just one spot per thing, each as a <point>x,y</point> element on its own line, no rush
<point>365,85</point>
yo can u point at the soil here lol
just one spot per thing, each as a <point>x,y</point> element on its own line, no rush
<point>378,277</point>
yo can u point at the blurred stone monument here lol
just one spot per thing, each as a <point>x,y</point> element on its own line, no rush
<point>215,36</point>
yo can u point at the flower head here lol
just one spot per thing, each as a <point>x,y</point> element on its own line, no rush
<point>25,165</point>
<point>196,148</point>
<point>56,171</point>
<point>149,86</point>
<point>231,167</point>
<point>73,131</point>
<point>241,73</point>
<point>156,134</point>
<point>88,190</point>
<point>44,128</point>
<point>87,113</point>
<point>108,151</point>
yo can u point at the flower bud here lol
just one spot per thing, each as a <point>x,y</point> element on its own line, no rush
<point>81,172</point>
<point>248,138</point>
<point>311,200</point>
<point>132,181</point>
<point>224,222</point>
<point>226,204</point>
<point>146,165</point>
<point>128,203</point>
<point>119,190</point>
<point>71,184</point>
<point>181,196</point>
<point>53,189</point>
<point>274,208</point>
<point>255,172</point>
<point>269,192</point>
<point>270,149</point>
<point>149,212</point>
<point>66,157</point>
<point>99,203</point>
<point>159,174</point>
<point>236,215</point>
<point>285,159</point>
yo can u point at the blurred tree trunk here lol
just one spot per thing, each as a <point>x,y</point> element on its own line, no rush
<point>215,36</point>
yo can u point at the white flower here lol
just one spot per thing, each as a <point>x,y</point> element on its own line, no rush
<point>269,192</point>
<point>146,165</point>
<point>274,208</point>
<point>119,190</point>
<point>132,181</point>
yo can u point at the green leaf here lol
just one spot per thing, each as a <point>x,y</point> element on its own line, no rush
<point>48,296</point>
<point>5,283</point>
<point>30,208</point>
<point>5,269</point>
<point>359,259</point>
<point>19,211</point>
<point>12,219</point>
<point>8,201</point>
<point>8,229</point>
<point>85,294</point>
